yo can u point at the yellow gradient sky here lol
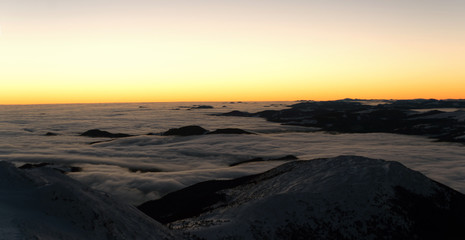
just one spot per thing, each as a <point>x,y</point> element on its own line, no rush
<point>146,50</point>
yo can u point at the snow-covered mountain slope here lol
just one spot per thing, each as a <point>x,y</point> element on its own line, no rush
<point>43,203</point>
<point>346,197</point>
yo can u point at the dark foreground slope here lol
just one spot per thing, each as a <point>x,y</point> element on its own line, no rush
<point>42,203</point>
<point>339,198</point>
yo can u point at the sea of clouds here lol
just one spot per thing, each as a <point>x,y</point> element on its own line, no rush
<point>145,167</point>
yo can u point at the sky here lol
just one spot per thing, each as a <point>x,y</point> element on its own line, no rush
<point>63,51</point>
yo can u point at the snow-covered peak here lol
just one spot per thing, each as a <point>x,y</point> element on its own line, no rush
<point>343,173</point>
<point>42,203</point>
<point>345,197</point>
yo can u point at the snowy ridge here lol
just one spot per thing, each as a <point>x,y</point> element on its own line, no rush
<point>346,197</point>
<point>42,203</point>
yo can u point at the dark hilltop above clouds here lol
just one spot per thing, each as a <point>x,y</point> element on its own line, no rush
<point>197,130</point>
<point>443,120</point>
<point>103,134</point>
<point>191,130</point>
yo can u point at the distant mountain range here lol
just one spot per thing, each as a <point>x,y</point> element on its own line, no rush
<point>443,120</point>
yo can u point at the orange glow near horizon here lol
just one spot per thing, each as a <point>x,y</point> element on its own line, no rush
<point>139,51</point>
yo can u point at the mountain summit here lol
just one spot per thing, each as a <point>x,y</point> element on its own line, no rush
<point>42,203</point>
<point>346,197</point>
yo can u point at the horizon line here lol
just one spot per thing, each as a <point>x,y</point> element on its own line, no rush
<point>235,101</point>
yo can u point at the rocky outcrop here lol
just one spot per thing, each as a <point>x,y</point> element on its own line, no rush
<point>193,107</point>
<point>59,167</point>
<point>229,131</point>
<point>201,107</point>
<point>51,134</point>
<point>103,134</point>
<point>197,130</point>
<point>185,131</point>
<point>260,159</point>
<point>33,165</point>
<point>286,158</point>
<point>235,113</point>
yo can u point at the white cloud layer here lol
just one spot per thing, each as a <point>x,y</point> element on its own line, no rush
<point>168,163</point>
